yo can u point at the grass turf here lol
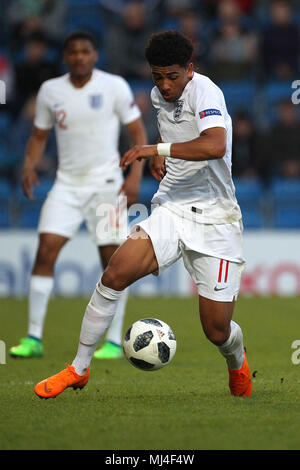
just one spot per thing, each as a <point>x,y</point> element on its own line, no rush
<point>187,405</point>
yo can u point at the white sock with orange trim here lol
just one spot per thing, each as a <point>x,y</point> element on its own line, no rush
<point>97,318</point>
<point>233,348</point>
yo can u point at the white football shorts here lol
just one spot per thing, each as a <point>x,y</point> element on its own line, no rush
<point>103,211</point>
<point>212,254</point>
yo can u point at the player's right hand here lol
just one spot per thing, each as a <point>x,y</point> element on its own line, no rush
<point>29,179</point>
<point>157,167</point>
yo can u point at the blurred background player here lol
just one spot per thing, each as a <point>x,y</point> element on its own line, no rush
<point>87,107</point>
<point>196,216</point>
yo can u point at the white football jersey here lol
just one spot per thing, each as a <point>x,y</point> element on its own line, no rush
<point>203,190</point>
<point>87,123</point>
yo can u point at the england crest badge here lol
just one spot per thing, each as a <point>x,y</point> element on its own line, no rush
<point>95,101</point>
<point>178,110</point>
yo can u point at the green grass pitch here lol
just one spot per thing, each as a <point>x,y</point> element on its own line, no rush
<point>187,405</point>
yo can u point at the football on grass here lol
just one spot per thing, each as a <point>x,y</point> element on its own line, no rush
<point>149,344</point>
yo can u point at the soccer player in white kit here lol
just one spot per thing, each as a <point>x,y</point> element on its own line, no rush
<point>196,216</point>
<point>87,107</point>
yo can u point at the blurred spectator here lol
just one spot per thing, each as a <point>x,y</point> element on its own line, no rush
<point>211,6</point>
<point>7,75</point>
<point>279,147</point>
<point>190,25</point>
<point>174,10</point>
<point>234,51</point>
<point>30,16</point>
<point>20,134</point>
<point>244,148</point>
<point>34,70</point>
<point>126,43</point>
<point>117,6</point>
<point>280,43</point>
<point>284,141</point>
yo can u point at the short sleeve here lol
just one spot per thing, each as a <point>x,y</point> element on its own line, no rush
<point>43,115</point>
<point>154,98</point>
<point>210,108</point>
<point>125,106</point>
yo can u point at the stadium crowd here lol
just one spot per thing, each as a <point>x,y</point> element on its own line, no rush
<point>249,48</point>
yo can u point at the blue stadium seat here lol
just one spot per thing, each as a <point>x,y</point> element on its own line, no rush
<point>5,122</point>
<point>148,187</point>
<point>276,91</point>
<point>43,189</point>
<point>30,209</point>
<point>82,3</point>
<point>286,198</point>
<point>287,218</point>
<point>141,85</point>
<point>239,95</point>
<point>90,19</point>
<point>286,191</point>
<point>5,198</point>
<point>4,217</point>
<point>249,194</point>
<point>5,189</point>
<point>40,192</point>
<point>248,191</point>
<point>29,217</point>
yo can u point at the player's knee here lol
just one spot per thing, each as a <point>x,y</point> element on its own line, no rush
<point>113,278</point>
<point>47,253</point>
<point>216,335</point>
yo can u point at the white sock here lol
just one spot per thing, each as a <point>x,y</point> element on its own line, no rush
<point>233,348</point>
<point>114,333</point>
<point>97,318</point>
<point>40,288</point>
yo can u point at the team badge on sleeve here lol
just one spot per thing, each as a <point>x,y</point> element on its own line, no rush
<point>95,101</point>
<point>210,112</point>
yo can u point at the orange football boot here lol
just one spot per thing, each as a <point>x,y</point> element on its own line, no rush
<point>53,386</point>
<point>240,383</point>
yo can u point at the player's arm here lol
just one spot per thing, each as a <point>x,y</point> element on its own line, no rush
<point>157,166</point>
<point>138,135</point>
<point>210,145</point>
<point>34,151</point>
<point>131,186</point>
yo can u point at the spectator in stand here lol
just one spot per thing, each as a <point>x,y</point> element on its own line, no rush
<point>117,6</point>
<point>191,26</point>
<point>244,148</point>
<point>279,147</point>
<point>211,6</point>
<point>234,51</point>
<point>31,16</point>
<point>280,43</point>
<point>125,44</point>
<point>174,10</point>
<point>35,69</point>
<point>284,141</point>
<point>7,75</point>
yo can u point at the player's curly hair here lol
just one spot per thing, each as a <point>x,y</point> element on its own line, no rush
<point>168,48</point>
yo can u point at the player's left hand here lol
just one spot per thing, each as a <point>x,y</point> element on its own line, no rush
<point>137,153</point>
<point>131,189</point>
